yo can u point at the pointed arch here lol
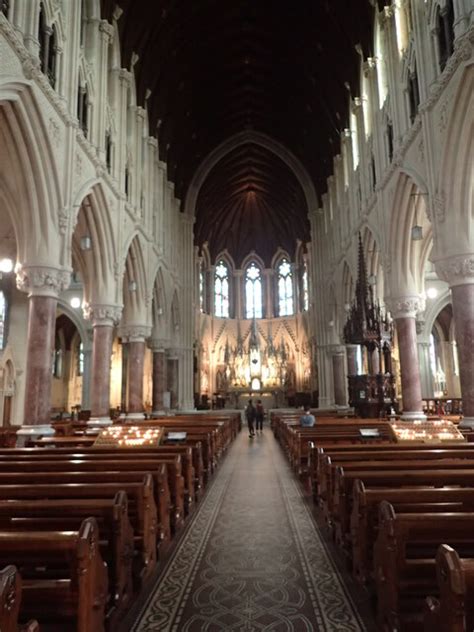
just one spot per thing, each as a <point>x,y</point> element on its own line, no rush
<point>135,289</point>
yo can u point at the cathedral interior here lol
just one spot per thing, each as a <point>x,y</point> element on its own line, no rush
<point>206,203</point>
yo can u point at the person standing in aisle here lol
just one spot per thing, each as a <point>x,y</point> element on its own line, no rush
<point>250,413</point>
<point>259,413</point>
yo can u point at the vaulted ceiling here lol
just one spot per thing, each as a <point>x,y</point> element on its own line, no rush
<point>217,67</point>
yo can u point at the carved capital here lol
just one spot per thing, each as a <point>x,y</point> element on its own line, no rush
<point>103,315</point>
<point>406,306</point>
<point>456,270</point>
<point>42,280</point>
<point>134,333</point>
<point>158,345</point>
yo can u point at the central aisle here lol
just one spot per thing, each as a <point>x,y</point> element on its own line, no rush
<point>252,557</point>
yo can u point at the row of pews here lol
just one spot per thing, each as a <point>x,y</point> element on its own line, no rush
<point>83,528</point>
<point>402,516</point>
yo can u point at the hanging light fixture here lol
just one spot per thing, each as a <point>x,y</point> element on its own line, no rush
<point>86,242</point>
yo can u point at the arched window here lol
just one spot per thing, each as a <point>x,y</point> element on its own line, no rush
<point>3,320</point>
<point>221,290</point>
<point>285,289</point>
<point>82,108</point>
<point>201,288</point>
<point>80,359</point>
<point>5,7</point>
<point>47,38</point>
<point>304,289</point>
<point>445,31</point>
<point>253,292</point>
<point>58,358</point>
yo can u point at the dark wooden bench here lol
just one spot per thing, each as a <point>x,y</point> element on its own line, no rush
<point>64,578</point>
<point>116,533</point>
<point>453,611</point>
<point>404,561</point>
<point>141,509</point>
<point>364,516</point>
<point>10,599</point>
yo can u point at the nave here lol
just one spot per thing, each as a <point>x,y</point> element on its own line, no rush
<point>253,557</point>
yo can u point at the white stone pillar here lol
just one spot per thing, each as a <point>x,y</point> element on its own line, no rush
<point>186,376</point>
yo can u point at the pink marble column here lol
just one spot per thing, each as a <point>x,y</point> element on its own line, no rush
<point>409,367</point>
<point>43,284</point>
<point>351,352</point>
<point>40,349</point>
<point>159,379</point>
<point>103,318</point>
<point>173,380</point>
<point>463,309</point>
<point>136,360</point>
<point>338,362</point>
<point>375,361</point>
<point>100,374</point>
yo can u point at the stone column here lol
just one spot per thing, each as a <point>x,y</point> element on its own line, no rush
<point>339,378</point>
<point>458,271</point>
<point>351,352</point>
<point>425,370</point>
<point>159,376</point>
<point>43,284</point>
<point>375,361</point>
<point>134,337</point>
<point>173,379</point>
<point>404,312</point>
<point>103,318</point>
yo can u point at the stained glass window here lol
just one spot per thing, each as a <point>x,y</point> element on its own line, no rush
<point>253,292</point>
<point>285,289</point>
<point>304,288</point>
<point>221,290</point>
<point>3,318</point>
<point>80,359</point>
<point>201,288</point>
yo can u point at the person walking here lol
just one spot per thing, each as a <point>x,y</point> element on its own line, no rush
<point>307,420</point>
<point>250,413</point>
<point>259,413</point>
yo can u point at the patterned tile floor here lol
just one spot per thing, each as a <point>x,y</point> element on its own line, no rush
<point>253,558</point>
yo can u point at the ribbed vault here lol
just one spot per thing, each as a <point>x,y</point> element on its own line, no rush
<point>213,69</point>
<point>251,200</point>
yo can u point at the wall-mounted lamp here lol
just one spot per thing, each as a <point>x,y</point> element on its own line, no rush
<point>75,302</point>
<point>347,307</point>
<point>431,292</point>
<point>132,286</point>
<point>6,265</point>
<point>417,232</point>
<point>86,242</point>
<point>372,280</point>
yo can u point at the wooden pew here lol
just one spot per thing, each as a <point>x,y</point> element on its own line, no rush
<point>110,470</point>
<point>454,610</point>
<point>404,561</point>
<point>116,533</point>
<point>10,599</point>
<point>142,509</point>
<point>64,577</point>
<point>364,516</point>
<point>344,483</point>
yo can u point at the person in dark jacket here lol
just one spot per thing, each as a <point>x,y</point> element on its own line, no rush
<point>250,414</point>
<point>259,413</point>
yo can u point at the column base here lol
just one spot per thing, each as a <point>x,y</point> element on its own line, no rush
<point>135,416</point>
<point>413,416</point>
<point>158,413</point>
<point>467,423</point>
<point>31,433</point>
<point>99,422</point>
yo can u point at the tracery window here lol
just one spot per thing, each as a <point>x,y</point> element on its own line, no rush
<point>3,319</point>
<point>285,289</point>
<point>221,290</point>
<point>253,292</point>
